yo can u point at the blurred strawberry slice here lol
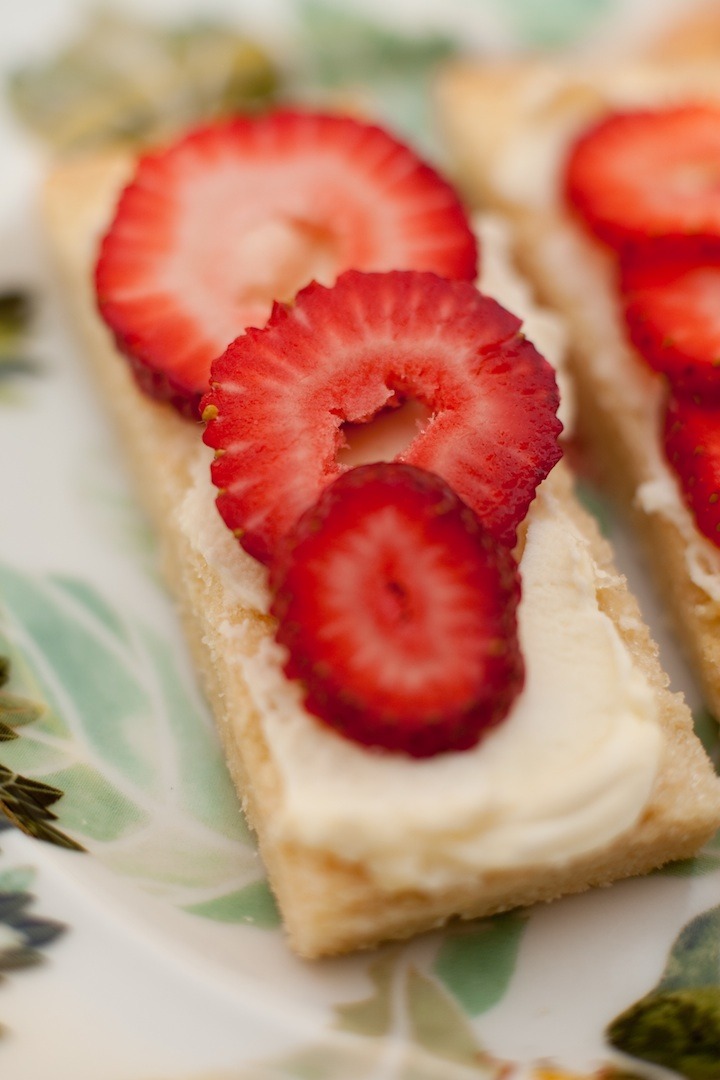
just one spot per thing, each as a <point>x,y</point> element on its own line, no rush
<point>638,175</point>
<point>398,611</point>
<point>239,214</point>
<point>671,293</point>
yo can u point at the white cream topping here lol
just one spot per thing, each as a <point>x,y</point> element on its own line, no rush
<point>567,772</point>
<point>243,578</point>
<point>570,769</point>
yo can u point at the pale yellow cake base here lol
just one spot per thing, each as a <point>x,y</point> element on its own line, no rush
<point>523,100</point>
<point>329,906</point>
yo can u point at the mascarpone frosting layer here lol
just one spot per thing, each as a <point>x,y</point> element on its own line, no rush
<point>569,770</point>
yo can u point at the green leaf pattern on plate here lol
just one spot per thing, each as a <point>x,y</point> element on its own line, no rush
<point>373,1015</point>
<point>367,1060</point>
<point>415,998</point>
<point>372,66</point>
<point>407,1028</point>
<point>253,904</point>
<point>23,936</point>
<point>126,79</point>
<point>15,318</point>
<point>125,736</point>
<point>437,1024</point>
<point>23,801</point>
<point>677,1024</point>
<point>677,1029</point>
<point>539,23</point>
<point>476,962</point>
<point>694,959</point>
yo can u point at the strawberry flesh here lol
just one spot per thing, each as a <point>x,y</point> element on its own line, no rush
<point>280,397</point>
<point>244,212</point>
<point>648,173</point>
<point>399,613</point>
<point>692,447</point>
<point>671,293</point>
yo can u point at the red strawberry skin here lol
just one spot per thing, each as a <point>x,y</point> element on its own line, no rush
<point>692,447</point>
<point>671,295</point>
<point>647,173</point>
<point>398,612</point>
<point>236,215</point>
<point>281,395</point>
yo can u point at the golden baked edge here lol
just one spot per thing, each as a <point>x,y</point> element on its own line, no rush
<point>329,906</point>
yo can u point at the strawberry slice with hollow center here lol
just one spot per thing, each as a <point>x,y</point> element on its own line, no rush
<point>642,174</point>
<point>692,447</point>
<point>238,214</point>
<point>281,396</point>
<point>671,294</point>
<point>399,613</point>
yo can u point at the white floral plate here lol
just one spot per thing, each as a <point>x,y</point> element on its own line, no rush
<point>155,953</point>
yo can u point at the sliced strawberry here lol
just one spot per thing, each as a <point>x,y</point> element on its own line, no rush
<point>692,447</point>
<point>234,216</point>
<point>671,294</point>
<point>637,175</point>
<point>280,396</point>
<point>399,613</point>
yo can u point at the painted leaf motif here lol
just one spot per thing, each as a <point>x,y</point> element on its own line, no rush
<point>705,863</point>
<point>15,317</point>
<point>81,660</point>
<point>24,934</point>
<point>86,598</point>
<point>24,802</point>
<point>541,24</point>
<point>16,879</point>
<point>15,711</point>
<point>437,1024</point>
<point>123,79</point>
<point>476,963</point>
<point>440,1041</point>
<point>368,1059</point>
<point>126,737</point>
<point>677,1029</point>
<point>204,786</point>
<point>323,1062</point>
<point>15,359</point>
<point>92,806</point>
<point>20,948</point>
<point>343,48</point>
<point>254,905</point>
<point>373,1016</point>
<point>677,1024</point>
<point>694,959</point>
